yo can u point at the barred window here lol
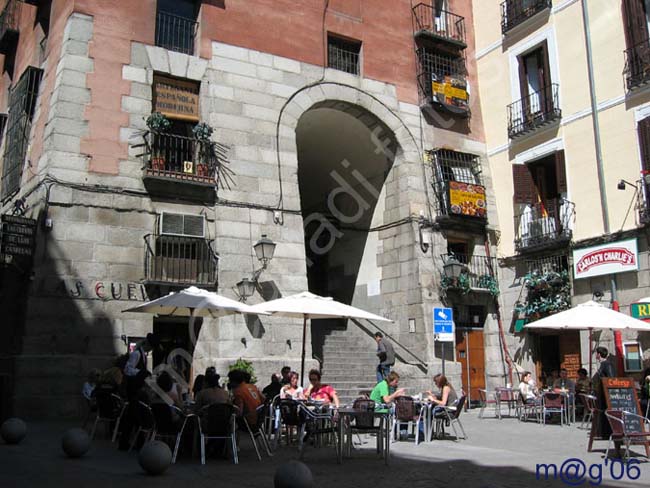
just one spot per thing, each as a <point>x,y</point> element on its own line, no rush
<point>22,104</point>
<point>343,55</point>
<point>548,264</point>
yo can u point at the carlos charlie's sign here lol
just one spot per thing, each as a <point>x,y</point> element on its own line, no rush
<point>615,257</point>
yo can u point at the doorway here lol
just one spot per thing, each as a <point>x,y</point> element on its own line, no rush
<point>470,353</point>
<point>174,335</point>
<point>559,350</point>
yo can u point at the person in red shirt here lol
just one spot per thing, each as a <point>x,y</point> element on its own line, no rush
<point>319,392</point>
<point>246,397</point>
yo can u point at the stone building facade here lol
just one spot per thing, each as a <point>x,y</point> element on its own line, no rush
<point>340,130</point>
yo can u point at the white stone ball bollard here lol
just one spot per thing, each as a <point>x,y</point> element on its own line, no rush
<point>155,457</point>
<point>75,443</point>
<point>293,474</point>
<point>13,430</point>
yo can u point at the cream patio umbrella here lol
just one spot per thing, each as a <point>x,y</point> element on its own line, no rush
<point>306,305</point>
<point>589,316</point>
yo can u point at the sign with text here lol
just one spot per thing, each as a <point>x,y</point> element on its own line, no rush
<point>466,199</point>
<point>641,311</point>
<point>450,91</point>
<point>176,99</point>
<point>615,257</point>
<point>80,289</point>
<point>18,236</point>
<point>443,324</point>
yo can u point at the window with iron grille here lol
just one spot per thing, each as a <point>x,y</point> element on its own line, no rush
<point>3,123</point>
<point>548,264</point>
<point>22,103</point>
<point>343,55</point>
<point>442,79</point>
<point>176,25</point>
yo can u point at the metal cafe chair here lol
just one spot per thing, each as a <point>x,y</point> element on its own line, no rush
<point>526,408</point>
<point>451,416</point>
<point>487,398</point>
<point>219,422</point>
<point>505,396</point>
<point>257,431</point>
<point>145,422</point>
<point>589,402</point>
<point>110,408</point>
<point>620,431</point>
<point>554,403</point>
<point>316,423</point>
<point>365,423</point>
<point>166,427</point>
<point>406,413</point>
<point>289,417</point>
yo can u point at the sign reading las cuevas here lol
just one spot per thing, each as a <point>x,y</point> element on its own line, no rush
<point>615,257</point>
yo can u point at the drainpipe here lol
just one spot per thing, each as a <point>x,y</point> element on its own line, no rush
<point>599,165</point>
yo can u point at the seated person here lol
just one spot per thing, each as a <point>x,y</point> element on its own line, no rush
<point>211,393</point>
<point>447,396</point>
<point>292,390</point>
<point>564,383</point>
<point>93,380</point>
<point>167,392</point>
<point>528,390</point>
<point>583,385</point>
<point>246,397</point>
<point>320,392</point>
<point>381,392</point>
<point>272,390</point>
<point>199,384</point>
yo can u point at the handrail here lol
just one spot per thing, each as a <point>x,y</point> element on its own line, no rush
<point>421,365</point>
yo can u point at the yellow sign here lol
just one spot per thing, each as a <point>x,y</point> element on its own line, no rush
<point>466,199</point>
<point>176,99</point>
<point>188,167</point>
<point>449,91</point>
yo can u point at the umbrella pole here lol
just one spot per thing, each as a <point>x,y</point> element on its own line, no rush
<point>590,355</point>
<point>302,359</point>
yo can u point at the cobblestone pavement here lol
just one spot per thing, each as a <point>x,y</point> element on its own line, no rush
<point>499,453</point>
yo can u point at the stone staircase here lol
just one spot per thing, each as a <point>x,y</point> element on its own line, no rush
<point>350,362</point>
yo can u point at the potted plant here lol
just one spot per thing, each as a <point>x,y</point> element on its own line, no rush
<point>243,365</point>
<point>157,122</point>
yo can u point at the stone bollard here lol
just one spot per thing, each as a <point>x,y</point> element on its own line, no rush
<point>75,443</point>
<point>155,457</point>
<point>13,430</point>
<point>293,474</point>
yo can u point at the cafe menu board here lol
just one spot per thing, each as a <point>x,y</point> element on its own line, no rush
<point>620,394</point>
<point>18,236</point>
<point>467,200</point>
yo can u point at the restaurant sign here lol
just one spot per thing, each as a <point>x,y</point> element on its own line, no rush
<point>176,99</point>
<point>640,311</point>
<point>18,236</point>
<point>466,199</point>
<point>451,92</point>
<point>615,257</point>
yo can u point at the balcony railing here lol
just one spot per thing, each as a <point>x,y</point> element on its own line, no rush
<point>343,57</point>
<point>178,157</point>
<point>9,26</point>
<point>479,272</point>
<point>539,109</point>
<point>439,23</point>
<point>180,260</point>
<point>643,199</point>
<point>175,33</point>
<point>544,224</point>
<point>515,12</point>
<point>637,65</point>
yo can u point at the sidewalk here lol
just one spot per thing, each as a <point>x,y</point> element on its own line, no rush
<point>498,453</point>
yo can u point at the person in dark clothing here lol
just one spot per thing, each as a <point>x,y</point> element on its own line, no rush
<point>284,372</point>
<point>386,355</point>
<point>605,370</point>
<point>272,390</point>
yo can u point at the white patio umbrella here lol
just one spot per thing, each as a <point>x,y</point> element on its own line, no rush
<point>306,305</point>
<point>589,316</point>
<point>194,302</point>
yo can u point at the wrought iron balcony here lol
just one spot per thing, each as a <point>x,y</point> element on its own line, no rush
<point>515,12</point>
<point>175,33</point>
<point>479,273</point>
<point>180,260</point>
<point>439,24</point>
<point>537,110</point>
<point>643,199</point>
<point>9,27</point>
<point>637,65</point>
<point>544,225</point>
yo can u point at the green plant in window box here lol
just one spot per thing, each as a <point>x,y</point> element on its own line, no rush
<point>489,283</point>
<point>243,365</point>
<point>202,131</point>
<point>157,122</point>
<point>548,293</point>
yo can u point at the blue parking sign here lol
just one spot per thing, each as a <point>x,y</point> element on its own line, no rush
<point>443,324</point>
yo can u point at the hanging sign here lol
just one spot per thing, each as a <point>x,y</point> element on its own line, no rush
<point>640,311</point>
<point>18,236</point>
<point>176,99</point>
<point>615,257</point>
<point>467,200</point>
<point>451,92</point>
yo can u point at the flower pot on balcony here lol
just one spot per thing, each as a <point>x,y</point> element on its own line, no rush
<point>158,164</point>
<point>202,169</point>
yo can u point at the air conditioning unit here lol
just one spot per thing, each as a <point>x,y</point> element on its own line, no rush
<point>173,224</point>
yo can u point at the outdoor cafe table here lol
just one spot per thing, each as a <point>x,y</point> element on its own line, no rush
<point>346,415</point>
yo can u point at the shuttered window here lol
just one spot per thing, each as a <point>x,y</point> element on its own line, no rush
<point>22,104</point>
<point>635,22</point>
<point>524,186</point>
<point>560,172</point>
<point>644,143</point>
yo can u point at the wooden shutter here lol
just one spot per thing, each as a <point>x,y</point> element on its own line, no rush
<point>644,143</point>
<point>634,20</point>
<point>524,186</point>
<point>560,172</point>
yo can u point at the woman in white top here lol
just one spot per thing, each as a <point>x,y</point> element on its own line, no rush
<point>528,389</point>
<point>292,390</point>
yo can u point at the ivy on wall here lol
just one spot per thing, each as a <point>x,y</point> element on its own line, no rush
<point>548,293</point>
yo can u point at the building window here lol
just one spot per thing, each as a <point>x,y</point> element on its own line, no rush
<point>515,12</point>
<point>442,80</point>
<point>633,356</point>
<point>343,54</point>
<point>636,15</point>
<point>22,104</point>
<point>643,203</point>
<point>457,183</point>
<point>543,215</point>
<point>176,25</point>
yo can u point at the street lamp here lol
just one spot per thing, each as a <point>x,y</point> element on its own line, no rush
<point>245,289</point>
<point>264,250</point>
<point>453,268</point>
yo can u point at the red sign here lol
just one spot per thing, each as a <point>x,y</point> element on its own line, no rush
<point>612,255</point>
